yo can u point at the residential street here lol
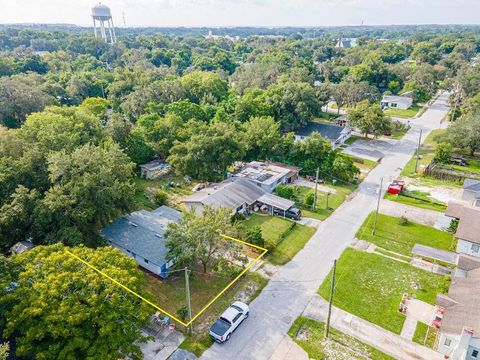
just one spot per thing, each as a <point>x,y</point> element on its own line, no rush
<point>294,285</point>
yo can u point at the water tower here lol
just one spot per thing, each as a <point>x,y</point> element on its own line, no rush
<point>101,14</point>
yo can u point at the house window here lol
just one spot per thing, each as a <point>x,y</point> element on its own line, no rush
<point>475,248</point>
<point>474,354</point>
<point>447,342</point>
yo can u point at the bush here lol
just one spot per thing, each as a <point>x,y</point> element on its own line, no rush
<point>309,198</point>
<point>443,153</point>
<point>254,236</point>
<point>160,197</point>
<point>270,245</point>
<point>403,221</point>
<point>453,226</point>
<point>285,192</point>
<point>237,217</point>
<point>182,312</point>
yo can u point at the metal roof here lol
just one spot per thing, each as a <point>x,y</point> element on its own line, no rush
<point>276,201</point>
<point>142,233</point>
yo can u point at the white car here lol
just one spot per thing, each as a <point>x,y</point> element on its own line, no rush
<point>229,321</point>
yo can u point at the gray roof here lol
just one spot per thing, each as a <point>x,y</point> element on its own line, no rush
<point>471,185</point>
<point>154,165</point>
<point>276,201</point>
<point>332,132</point>
<point>433,253</point>
<point>21,246</point>
<point>142,233</point>
<point>397,99</point>
<point>454,209</point>
<point>468,262</point>
<point>469,224</point>
<point>461,304</point>
<point>231,193</point>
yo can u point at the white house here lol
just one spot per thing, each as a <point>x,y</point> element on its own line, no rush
<point>140,235</point>
<point>154,169</point>
<point>335,133</point>
<point>459,332</point>
<point>396,102</point>
<point>346,43</point>
<point>471,191</point>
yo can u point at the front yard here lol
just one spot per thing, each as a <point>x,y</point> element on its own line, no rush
<point>403,113</point>
<point>289,239</point>
<point>309,335</point>
<point>371,287</point>
<point>392,236</point>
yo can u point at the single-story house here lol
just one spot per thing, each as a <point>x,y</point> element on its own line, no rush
<point>468,230</point>
<point>21,246</point>
<point>471,191</point>
<point>268,175</point>
<point>154,169</point>
<point>459,332</point>
<point>336,134</point>
<point>466,263</point>
<point>346,43</point>
<point>237,193</point>
<point>140,235</point>
<point>396,102</point>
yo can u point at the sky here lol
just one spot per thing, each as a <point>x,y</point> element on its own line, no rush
<point>245,12</point>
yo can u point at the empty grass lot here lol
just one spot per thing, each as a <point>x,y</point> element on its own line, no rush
<point>309,335</point>
<point>417,198</point>
<point>401,238</point>
<point>403,113</point>
<point>289,240</point>
<point>371,287</point>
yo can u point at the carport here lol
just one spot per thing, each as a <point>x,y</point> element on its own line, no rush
<point>275,202</point>
<point>435,254</point>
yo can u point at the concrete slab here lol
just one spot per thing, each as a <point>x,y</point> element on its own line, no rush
<point>289,350</point>
<point>408,329</point>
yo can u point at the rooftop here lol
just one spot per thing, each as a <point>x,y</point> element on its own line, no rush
<point>265,172</point>
<point>21,246</point>
<point>142,232</point>
<point>461,304</point>
<point>454,209</point>
<point>469,224</point>
<point>154,165</point>
<point>471,185</point>
<point>332,132</point>
<point>396,98</point>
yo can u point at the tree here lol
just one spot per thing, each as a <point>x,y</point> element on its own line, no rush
<point>465,133</point>
<point>285,191</point>
<point>443,153</point>
<point>254,236</point>
<point>426,52</point>
<point>61,309</point>
<point>4,351</point>
<point>350,92</point>
<point>204,87</point>
<point>344,168</point>
<point>369,119</point>
<point>294,104</point>
<point>312,153</point>
<point>253,103</point>
<point>18,99</point>
<point>88,188</point>
<point>196,239</point>
<point>262,138</point>
<point>97,106</point>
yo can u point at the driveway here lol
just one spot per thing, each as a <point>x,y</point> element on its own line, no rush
<point>293,286</point>
<point>412,213</point>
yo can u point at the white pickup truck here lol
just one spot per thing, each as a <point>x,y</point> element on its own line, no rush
<point>229,321</point>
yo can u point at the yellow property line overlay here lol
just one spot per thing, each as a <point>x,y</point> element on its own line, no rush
<point>264,251</point>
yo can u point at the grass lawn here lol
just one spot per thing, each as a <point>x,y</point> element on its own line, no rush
<point>309,335</point>
<point>353,138</point>
<point>289,240</point>
<point>425,335</point>
<point>324,115</point>
<point>334,200</point>
<point>371,287</point>
<point>398,134</point>
<point>401,238</point>
<point>247,289</point>
<point>401,113</point>
<point>417,198</point>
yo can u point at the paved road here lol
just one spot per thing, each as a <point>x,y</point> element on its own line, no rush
<point>294,284</point>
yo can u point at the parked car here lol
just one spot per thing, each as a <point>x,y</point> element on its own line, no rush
<point>229,321</point>
<point>292,213</point>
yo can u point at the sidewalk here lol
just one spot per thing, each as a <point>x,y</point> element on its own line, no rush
<point>371,334</point>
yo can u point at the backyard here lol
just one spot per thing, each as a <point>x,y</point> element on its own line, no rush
<point>417,198</point>
<point>425,335</point>
<point>309,335</point>
<point>403,113</point>
<point>371,287</point>
<point>288,236</point>
<point>393,236</point>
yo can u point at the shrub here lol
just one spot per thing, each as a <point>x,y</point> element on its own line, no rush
<point>254,236</point>
<point>443,153</point>
<point>309,198</point>
<point>270,245</point>
<point>160,197</point>
<point>237,217</point>
<point>182,313</point>
<point>285,192</point>
<point>453,226</point>
<point>403,221</point>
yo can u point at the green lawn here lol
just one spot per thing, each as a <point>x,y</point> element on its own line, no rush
<point>401,238</point>
<point>353,138</point>
<point>371,287</point>
<point>401,113</point>
<point>417,198</point>
<point>289,240</point>
<point>334,200</point>
<point>398,134</point>
<point>425,335</point>
<point>309,335</point>
<point>249,287</point>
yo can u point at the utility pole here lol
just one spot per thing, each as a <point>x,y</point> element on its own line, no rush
<point>328,194</point>
<point>189,305</point>
<point>332,289</point>
<point>315,193</point>
<point>378,205</point>
<point>418,150</point>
